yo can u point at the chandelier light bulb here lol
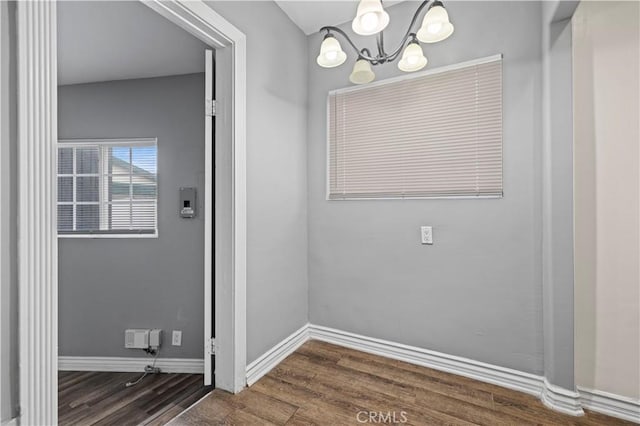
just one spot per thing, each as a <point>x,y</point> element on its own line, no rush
<point>331,53</point>
<point>434,28</point>
<point>435,25</point>
<point>370,18</point>
<point>369,21</point>
<point>362,72</point>
<point>412,58</point>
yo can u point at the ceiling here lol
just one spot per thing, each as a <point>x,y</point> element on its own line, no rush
<point>116,40</point>
<point>311,15</point>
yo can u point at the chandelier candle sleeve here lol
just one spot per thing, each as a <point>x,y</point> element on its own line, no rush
<point>331,54</point>
<point>412,58</point>
<point>372,19</point>
<point>435,26</point>
<point>362,72</point>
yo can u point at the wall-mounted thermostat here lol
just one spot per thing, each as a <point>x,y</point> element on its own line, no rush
<point>187,202</point>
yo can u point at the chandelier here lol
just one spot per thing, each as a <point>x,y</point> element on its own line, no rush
<point>371,19</point>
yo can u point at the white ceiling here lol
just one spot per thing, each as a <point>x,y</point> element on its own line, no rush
<point>116,40</point>
<point>311,15</point>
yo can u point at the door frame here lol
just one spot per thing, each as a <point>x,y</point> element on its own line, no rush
<point>37,227</point>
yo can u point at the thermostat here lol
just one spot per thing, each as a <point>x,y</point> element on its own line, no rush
<point>188,202</point>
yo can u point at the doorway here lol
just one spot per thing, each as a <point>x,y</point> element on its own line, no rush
<point>133,136</point>
<point>38,250</point>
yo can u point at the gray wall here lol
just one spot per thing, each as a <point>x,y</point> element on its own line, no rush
<point>108,285</point>
<point>276,172</point>
<point>8,218</point>
<point>276,163</point>
<point>476,292</point>
<point>276,181</point>
<point>277,175</point>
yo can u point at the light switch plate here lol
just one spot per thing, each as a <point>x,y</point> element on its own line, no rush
<point>427,234</point>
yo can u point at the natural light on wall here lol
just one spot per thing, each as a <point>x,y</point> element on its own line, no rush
<point>107,187</point>
<point>433,134</point>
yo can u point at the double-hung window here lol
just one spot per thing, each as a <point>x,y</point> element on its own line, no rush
<point>107,187</point>
<point>427,135</point>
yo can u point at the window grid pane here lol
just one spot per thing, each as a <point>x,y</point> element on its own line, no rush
<point>107,187</point>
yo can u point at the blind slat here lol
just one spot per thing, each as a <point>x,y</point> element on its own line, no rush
<point>426,136</point>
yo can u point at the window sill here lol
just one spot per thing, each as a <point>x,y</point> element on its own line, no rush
<point>107,236</point>
<point>396,198</point>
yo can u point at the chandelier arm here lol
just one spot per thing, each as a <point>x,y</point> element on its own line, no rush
<point>409,34</point>
<point>411,38</point>
<point>361,53</point>
<point>395,54</point>
<point>366,55</point>
<point>380,43</point>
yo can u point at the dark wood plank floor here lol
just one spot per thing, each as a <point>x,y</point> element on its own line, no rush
<point>325,384</point>
<point>93,398</point>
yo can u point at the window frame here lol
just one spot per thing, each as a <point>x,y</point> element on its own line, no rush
<point>116,234</point>
<point>384,82</point>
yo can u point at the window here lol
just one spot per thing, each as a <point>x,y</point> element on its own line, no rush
<point>107,187</point>
<point>428,135</point>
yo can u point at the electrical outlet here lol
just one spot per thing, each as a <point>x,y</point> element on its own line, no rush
<point>176,338</point>
<point>427,234</point>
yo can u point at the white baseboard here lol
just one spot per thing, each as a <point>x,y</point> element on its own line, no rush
<point>610,404</point>
<point>561,399</point>
<point>126,365</point>
<point>12,422</point>
<point>501,376</point>
<point>554,397</point>
<point>275,355</point>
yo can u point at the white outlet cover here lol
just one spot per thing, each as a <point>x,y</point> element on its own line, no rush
<point>176,338</point>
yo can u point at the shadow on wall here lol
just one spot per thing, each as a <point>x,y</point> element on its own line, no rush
<point>9,390</point>
<point>607,196</point>
<point>584,201</point>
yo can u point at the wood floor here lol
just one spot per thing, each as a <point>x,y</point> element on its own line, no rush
<point>93,398</point>
<point>328,385</point>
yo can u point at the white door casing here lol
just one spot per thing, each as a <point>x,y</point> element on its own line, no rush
<point>37,221</point>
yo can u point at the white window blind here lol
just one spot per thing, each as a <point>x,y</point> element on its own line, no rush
<point>107,187</point>
<point>432,134</point>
